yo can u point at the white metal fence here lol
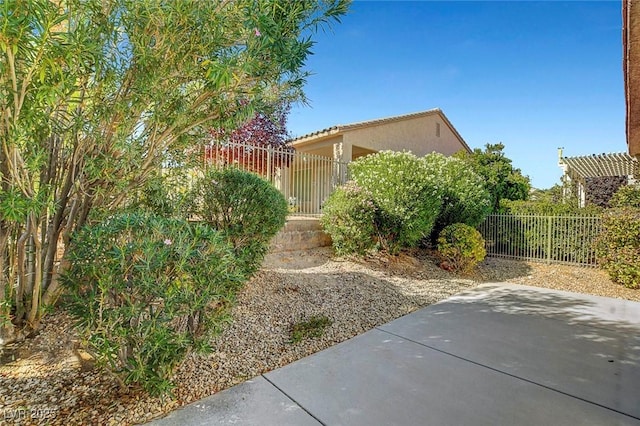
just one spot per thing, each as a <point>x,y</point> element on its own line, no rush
<point>557,239</point>
<point>305,180</point>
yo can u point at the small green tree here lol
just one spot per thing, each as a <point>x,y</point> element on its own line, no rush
<point>502,180</point>
<point>618,245</point>
<point>461,246</point>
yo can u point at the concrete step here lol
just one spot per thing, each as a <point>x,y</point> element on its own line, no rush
<point>300,233</point>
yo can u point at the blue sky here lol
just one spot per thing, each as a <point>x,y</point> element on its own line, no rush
<point>533,75</point>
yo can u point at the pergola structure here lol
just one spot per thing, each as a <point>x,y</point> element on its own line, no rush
<point>578,169</point>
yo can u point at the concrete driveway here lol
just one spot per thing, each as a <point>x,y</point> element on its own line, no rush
<point>499,354</point>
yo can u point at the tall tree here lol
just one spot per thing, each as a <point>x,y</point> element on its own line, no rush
<point>95,93</point>
<point>502,180</point>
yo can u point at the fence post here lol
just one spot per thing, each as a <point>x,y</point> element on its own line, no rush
<point>549,219</point>
<point>269,165</point>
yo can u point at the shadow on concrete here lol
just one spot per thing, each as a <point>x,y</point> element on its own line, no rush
<point>584,346</point>
<point>572,308</point>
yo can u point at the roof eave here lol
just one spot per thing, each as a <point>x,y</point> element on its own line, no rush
<point>341,129</point>
<point>317,136</point>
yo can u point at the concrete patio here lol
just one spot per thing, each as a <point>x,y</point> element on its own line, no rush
<point>499,354</point>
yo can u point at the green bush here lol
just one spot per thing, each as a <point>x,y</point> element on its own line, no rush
<point>349,216</point>
<point>461,246</point>
<point>247,209</point>
<point>464,196</point>
<point>164,194</point>
<point>547,208</point>
<point>408,197</point>
<point>626,196</point>
<point>146,291</point>
<point>618,246</point>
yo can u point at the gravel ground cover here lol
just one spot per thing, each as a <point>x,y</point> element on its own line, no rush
<point>50,380</point>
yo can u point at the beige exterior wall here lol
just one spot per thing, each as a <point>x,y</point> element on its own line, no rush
<point>322,146</point>
<point>418,135</point>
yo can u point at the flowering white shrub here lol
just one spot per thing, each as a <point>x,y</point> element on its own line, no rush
<point>464,196</point>
<point>407,194</point>
<point>350,218</point>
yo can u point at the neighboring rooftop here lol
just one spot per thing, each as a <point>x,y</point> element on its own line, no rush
<point>340,128</point>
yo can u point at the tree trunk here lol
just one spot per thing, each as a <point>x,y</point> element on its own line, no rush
<point>7,329</point>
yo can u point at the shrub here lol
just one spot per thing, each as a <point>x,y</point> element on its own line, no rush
<point>618,246</point>
<point>464,196</point>
<point>156,198</point>
<point>163,194</point>
<point>626,196</point>
<point>146,291</point>
<point>461,246</point>
<point>247,209</point>
<point>349,217</point>
<point>547,208</point>
<point>407,196</point>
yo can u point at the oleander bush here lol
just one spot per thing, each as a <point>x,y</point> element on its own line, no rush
<point>350,217</point>
<point>408,197</point>
<point>163,194</point>
<point>146,291</point>
<point>618,246</point>
<point>461,247</point>
<point>247,209</point>
<point>626,196</point>
<point>464,196</point>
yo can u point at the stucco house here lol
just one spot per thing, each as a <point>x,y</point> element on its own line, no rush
<point>309,175</point>
<point>421,133</point>
<point>631,71</point>
<point>308,183</point>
